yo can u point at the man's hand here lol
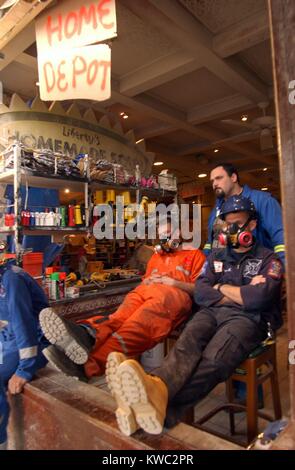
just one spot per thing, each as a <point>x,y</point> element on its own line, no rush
<point>168,281</point>
<point>257,280</point>
<point>151,279</point>
<point>16,384</point>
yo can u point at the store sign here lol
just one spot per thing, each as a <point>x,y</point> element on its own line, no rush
<point>82,73</point>
<point>75,23</point>
<point>69,67</point>
<point>68,134</point>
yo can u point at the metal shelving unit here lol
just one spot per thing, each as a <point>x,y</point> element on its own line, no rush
<point>18,176</point>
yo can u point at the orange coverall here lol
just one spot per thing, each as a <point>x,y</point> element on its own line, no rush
<point>149,313</point>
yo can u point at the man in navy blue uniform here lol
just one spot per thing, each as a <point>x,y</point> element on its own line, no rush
<point>239,295</point>
<point>269,231</point>
<point>21,339</point>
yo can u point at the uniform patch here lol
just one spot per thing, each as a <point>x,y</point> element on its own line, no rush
<point>252,267</point>
<point>218,266</point>
<point>275,269</point>
<point>2,291</point>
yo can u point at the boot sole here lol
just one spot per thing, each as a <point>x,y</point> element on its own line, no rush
<point>56,332</point>
<point>133,391</point>
<point>59,366</point>
<point>124,414</point>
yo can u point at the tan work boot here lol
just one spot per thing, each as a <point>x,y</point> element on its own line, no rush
<point>145,394</point>
<point>124,414</point>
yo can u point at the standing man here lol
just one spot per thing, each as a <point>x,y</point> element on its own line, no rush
<point>269,232</point>
<point>239,293</point>
<point>21,339</point>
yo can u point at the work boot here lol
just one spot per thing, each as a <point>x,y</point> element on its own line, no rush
<point>124,414</point>
<point>74,340</point>
<point>63,364</point>
<point>147,395</point>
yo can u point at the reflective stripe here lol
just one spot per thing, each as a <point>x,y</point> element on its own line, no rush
<point>121,341</point>
<point>154,271</point>
<point>207,246</point>
<point>279,248</point>
<point>28,353</point>
<point>181,268</point>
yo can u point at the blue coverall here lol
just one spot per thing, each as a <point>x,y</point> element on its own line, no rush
<point>269,231</point>
<point>21,340</point>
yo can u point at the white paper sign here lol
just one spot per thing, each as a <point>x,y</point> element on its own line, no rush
<point>81,73</point>
<point>75,23</point>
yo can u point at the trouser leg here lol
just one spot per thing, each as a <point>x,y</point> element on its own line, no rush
<point>231,344</point>
<point>147,326</point>
<point>187,351</point>
<point>4,415</point>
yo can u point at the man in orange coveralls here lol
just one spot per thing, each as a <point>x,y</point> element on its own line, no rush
<point>148,314</point>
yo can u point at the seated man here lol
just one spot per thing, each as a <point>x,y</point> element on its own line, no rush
<point>21,339</point>
<point>239,294</point>
<point>158,305</point>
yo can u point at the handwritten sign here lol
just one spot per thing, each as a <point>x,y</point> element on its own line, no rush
<point>75,23</point>
<point>81,73</point>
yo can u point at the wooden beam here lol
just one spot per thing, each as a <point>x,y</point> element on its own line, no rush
<point>18,17</point>
<point>21,42</point>
<point>282,18</point>
<point>242,35</point>
<point>176,23</point>
<point>218,109</point>
<point>158,72</point>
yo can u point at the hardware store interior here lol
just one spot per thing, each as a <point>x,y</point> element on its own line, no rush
<point>191,87</point>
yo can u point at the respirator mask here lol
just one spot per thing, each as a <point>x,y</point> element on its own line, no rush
<point>235,236</point>
<point>166,245</point>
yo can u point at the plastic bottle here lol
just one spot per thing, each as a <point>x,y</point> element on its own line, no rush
<point>62,284</point>
<point>71,216</point>
<point>54,288</point>
<point>47,281</point>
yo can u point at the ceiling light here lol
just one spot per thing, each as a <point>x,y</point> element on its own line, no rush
<point>140,140</point>
<point>202,175</point>
<point>158,163</point>
<point>264,169</point>
<point>244,117</point>
<point>216,150</point>
<point>67,191</point>
<point>125,116</point>
<point>122,114</point>
<point>264,189</point>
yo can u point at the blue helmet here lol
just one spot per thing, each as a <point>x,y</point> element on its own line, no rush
<point>238,203</point>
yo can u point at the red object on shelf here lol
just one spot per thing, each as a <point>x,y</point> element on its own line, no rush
<point>33,263</point>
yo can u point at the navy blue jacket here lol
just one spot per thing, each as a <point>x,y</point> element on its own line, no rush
<point>269,231</point>
<point>260,301</point>
<point>21,300</point>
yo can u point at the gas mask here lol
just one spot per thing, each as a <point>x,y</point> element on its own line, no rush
<point>235,236</point>
<point>166,245</point>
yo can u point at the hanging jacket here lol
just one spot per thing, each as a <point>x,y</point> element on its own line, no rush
<point>21,300</point>
<point>269,231</point>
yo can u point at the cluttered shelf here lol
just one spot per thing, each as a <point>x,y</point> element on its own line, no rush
<point>36,179</point>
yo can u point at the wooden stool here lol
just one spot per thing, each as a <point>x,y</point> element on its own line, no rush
<point>264,355</point>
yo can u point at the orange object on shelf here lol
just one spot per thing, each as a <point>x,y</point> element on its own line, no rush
<point>33,263</point>
<point>94,266</point>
